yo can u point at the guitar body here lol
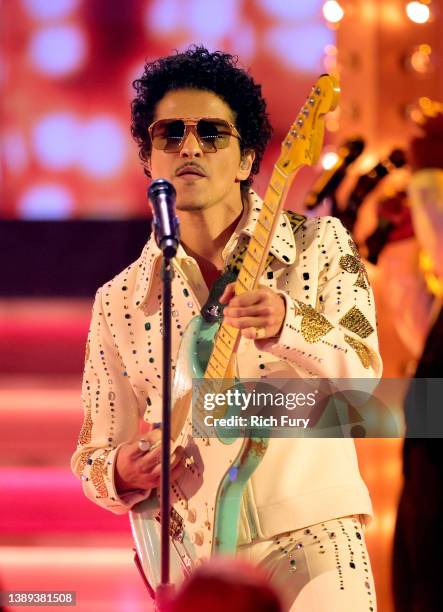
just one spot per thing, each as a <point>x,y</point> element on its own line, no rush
<point>206,499</point>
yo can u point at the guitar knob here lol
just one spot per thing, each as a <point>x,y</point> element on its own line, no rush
<point>192,515</point>
<point>197,538</point>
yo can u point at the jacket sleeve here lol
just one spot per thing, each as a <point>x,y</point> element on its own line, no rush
<point>111,415</point>
<point>337,338</point>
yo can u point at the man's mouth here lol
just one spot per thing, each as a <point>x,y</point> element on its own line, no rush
<point>190,170</point>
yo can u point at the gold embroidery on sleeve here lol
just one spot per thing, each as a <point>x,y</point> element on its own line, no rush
<point>354,265</point>
<point>361,350</point>
<point>83,461</point>
<point>313,324</point>
<point>356,322</point>
<point>360,282</point>
<point>98,471</point>
<point>349,263</point>
<point>86,430</point>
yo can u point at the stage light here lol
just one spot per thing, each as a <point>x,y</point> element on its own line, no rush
<point>420,59</point>
<point>49,9</point>
<point>46,201</point>
<point>58,50</point>
<point>330,59</point>
<point>104,147</point>
<point>162,16</point>
<point>332,11</point>
<point>97,146</point>
<point>211,19</point>
<point>200,18</point>
<point>366,162</point>
<point>300,47</point>
<point>430,108</point>
<point>245,36</point>
<point>424,108</point>
<point>414,114</point>
<point>282,9</point>
<point>329,160</point>
<point>331,50</point>
<point>425,103</point>
<point>418,12</point>
<point>57,140</point>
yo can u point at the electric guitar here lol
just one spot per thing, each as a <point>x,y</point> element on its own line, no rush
<point>205,500</point>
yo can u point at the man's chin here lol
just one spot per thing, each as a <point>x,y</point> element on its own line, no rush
<point>190,205</point>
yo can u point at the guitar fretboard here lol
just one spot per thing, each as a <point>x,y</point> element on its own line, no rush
<point>251,269</point>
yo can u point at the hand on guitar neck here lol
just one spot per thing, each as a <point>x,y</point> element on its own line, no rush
<point>259,314</point>
<point>138,469</point>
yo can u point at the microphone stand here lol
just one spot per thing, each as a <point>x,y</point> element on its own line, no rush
<point>162,196</point>
<point>164,590</point>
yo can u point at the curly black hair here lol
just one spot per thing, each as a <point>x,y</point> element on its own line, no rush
<point>198,68</point>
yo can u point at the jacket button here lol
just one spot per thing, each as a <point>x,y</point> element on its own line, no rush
<point>197,538</point>
<point>192,515</point>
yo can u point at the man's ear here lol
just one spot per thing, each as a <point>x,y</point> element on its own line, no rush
<point>247,159</point>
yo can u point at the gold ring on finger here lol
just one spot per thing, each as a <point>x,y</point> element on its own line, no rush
<point>260,333</point>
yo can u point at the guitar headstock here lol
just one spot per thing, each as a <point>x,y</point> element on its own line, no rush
<point>304,141</point>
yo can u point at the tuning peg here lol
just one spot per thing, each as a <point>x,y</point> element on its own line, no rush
<point>300,122</point>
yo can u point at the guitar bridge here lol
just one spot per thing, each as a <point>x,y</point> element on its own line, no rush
<point>176,525</point>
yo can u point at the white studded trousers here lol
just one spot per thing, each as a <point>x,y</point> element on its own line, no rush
<point>322,568</point>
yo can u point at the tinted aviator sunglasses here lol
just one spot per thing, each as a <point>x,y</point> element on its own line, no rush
<point>211,133</point>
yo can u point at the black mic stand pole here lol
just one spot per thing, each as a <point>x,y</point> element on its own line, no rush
<point>162,194</point>
<point>164,590</point>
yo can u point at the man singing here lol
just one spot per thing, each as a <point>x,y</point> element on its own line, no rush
<point>201,123</point>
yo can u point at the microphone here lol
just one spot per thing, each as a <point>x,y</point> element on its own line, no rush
<point>162,194</point>
<point>330,179</point>
<point>367,183</point>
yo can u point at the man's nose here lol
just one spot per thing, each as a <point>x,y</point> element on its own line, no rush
<point>191,147</point>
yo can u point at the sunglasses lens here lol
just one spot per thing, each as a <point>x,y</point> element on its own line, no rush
<point>212,134</point>
<point>168,135</point>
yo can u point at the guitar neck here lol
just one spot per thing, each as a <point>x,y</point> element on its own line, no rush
<point>258,248</point>
<point>301,147</point>
<point>251,269</point>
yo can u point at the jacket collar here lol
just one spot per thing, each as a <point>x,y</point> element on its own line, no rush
<point>282,246</point>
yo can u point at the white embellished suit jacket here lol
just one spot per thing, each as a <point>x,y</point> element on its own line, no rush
<point>329,331</point>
